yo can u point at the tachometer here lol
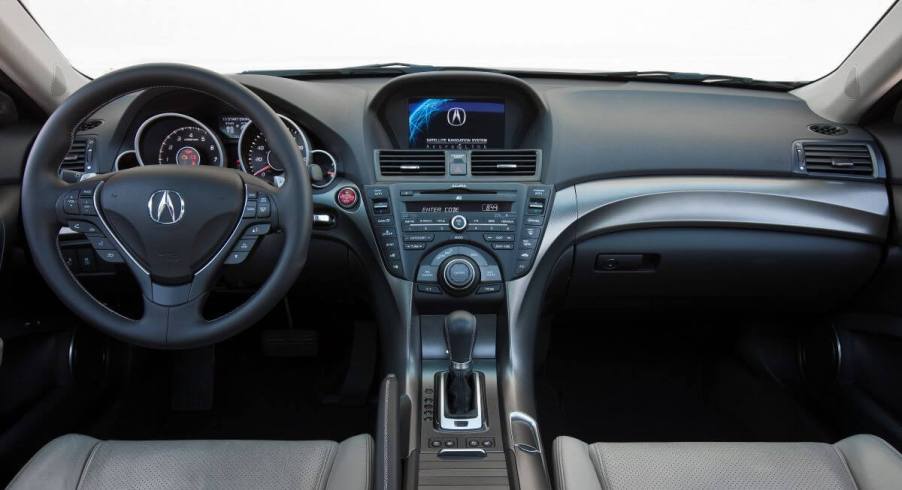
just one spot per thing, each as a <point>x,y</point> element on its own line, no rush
<point>256,157</point>
<point>323,169</point>
<point>189,145</point>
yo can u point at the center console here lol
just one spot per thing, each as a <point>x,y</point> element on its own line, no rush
<point>458,240</point>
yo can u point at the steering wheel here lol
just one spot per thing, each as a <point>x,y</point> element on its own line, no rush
<point>174,227</point>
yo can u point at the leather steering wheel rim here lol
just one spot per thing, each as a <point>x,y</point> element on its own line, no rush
<point>169,324</point>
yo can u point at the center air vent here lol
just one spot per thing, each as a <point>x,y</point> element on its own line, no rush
<point>75,158</point>
<point>820,157</point>
<point>504,162</point>
<point>411,162</point>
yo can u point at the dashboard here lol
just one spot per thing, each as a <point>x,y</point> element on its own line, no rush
<point>509,171</point>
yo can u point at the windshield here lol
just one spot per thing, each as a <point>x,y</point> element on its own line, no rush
<point>785,40</point>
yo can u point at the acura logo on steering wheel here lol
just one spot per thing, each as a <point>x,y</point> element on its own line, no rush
<point>166,207</point>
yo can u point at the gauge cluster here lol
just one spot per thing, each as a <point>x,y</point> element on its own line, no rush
<point>172,138</point>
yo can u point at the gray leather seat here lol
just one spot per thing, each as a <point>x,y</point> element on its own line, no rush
<point>75,461</point>
<point>861,462</point>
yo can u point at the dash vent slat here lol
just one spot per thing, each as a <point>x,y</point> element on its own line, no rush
<point>837,158</point>
<point>75,158</point>
<point>411,162</point>
<point>503,162</point>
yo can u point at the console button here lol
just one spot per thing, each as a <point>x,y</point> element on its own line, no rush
<point>395,267</point>
<point>263,207</point>
<point>86,260</point>
<point>250,209</point>
<point>389,244</point>
<point>490,273</point>
<point>384,221</point>
<point>527,243</point>
<point>489,288</point>
<point>347,197</point>
<point>387,233</point>
<point>414,245</point>
<point>429,288</point>
<point>532,232</point>
<point>392,255</point>
<point>535,220</point>
<point>420,237</point>
<point>503,245</point>
<point>525,255</point>
<point>521,268</point>
<point>427,273</point>
<point>377,192</point>
<point>538,192</point>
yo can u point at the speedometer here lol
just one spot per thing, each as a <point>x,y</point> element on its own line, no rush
<point>191,146</point>
<point>257,158</point>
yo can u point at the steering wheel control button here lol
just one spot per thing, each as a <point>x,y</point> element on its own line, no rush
<point>110,256</point>
<point>263,207</point>
<point>347,197</point>
<point>101,243</point>
<point>86,207</point>
<point>258,229</point>
<point>71,203</point>
<point>244,245</point>
<point>83,227</point>
<point>459,223</point>
<point>250,209</point>
<point>236,257</point>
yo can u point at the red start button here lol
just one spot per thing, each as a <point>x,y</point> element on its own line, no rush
<point>347,197</point>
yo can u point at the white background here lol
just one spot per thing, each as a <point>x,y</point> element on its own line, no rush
<point>767,39</point>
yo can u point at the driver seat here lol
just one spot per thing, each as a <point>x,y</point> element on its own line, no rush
<point>76,461</point>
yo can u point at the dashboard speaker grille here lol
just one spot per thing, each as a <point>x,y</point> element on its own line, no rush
<point>411,162</point>
<point>837,158</point>
<point>503,162</point>
<point>827,129</point>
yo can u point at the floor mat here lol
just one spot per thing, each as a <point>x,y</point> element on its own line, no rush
<point>256,397</point>
<point>661,379</point>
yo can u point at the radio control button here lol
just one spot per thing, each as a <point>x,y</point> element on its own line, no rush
<point>521,268</point>
<point>387,233</point>
<point>384,221</point>
<point>532,232</point>
<point>490,273</point>
<point>525,255</point>
<point>527,243</point>
<point>459,223</point>
<point>535,220</point>
<point>414,245</point>
<point>419,237</point>
<point>502,245</point>
<point>427,273</point>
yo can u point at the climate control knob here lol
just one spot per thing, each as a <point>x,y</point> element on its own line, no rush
<point>459,223</point>
<point>458,274</point>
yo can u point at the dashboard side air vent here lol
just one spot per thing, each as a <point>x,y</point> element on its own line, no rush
<point>74,160</point>
<point>411,162</point>
<point>833,158</point>
<point>90,124</point>
<point>504,162</point>
<point>827,129</point>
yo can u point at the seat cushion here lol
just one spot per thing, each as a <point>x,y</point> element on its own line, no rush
<point>76,461</point>
<point>859,462</point>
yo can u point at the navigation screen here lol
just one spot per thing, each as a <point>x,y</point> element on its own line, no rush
<point>455,123</point>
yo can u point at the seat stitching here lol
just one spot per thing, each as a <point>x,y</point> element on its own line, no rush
<point>559,463</point>
<point>87,463</point>
<point>330,460</point>
<point>599,466</point>
<point>842,457</point>
<point>369,462</point>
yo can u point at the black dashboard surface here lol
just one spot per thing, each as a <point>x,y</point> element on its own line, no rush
<point>587,130</point>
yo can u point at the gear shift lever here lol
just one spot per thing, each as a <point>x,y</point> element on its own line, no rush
<point>460,337</point>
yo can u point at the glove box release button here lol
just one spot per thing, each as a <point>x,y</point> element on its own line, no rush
<point>619,262</point>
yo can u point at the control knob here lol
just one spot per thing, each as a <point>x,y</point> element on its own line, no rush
<point>458,274</point>
<point>459,223</point>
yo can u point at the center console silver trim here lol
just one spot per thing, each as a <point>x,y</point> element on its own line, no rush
<point>454,424</point>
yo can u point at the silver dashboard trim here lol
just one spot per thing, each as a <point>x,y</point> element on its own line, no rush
<point>291,123</point>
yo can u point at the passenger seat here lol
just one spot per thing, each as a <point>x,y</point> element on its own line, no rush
<point>862,462</point>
